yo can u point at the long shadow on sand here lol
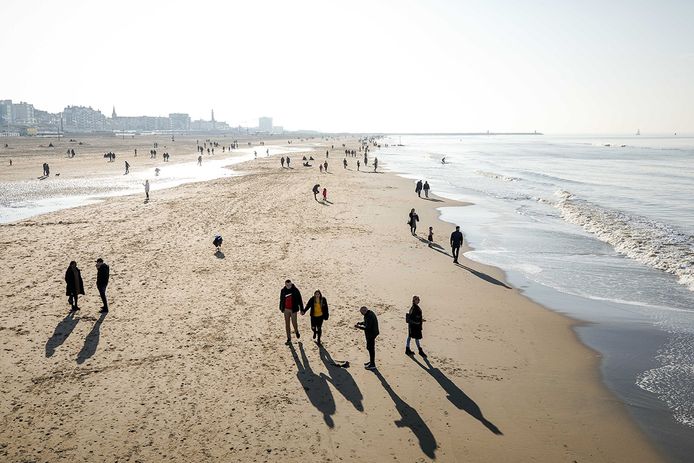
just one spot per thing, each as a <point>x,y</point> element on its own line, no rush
<point>484,276</point>
<point>456,396</point>
<point>91,342</point>
<point>410,419</point>
<point>61,333</point>
<point>342,380</point>
<point>316,386</point>
<point>434,200</point>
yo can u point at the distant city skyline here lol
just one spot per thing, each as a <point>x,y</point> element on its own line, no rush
<point>377,66</point>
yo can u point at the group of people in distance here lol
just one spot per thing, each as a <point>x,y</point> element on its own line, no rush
<point>291,304</point>
<point>74,286</point>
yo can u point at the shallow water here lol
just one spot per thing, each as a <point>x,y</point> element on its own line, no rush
<point>24,199</point>
<point>604,234</point>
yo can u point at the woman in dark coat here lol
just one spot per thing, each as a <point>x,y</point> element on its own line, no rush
<point>414,327</point>
<point>317,307</point>
<point>74,285</point>
<point>412,222</point>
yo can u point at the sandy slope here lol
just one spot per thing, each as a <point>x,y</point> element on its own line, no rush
<point>190,363</point>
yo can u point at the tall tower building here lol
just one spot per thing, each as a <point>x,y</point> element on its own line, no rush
<point>113,114</point>
<point>214,125</point>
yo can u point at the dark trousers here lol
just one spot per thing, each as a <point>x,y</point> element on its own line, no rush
<point>73,300</point>
<point>456,251</point>
<point>102,293</point>
<point>317,326</point>
<point>371,347</point>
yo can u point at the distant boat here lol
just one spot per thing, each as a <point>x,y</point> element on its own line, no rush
<point>638,131</point>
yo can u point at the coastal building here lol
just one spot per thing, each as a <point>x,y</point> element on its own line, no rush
<point>179,122</point>
<point>6,118</point>
<point>23,113</point>
<point>83,119</point>
<point>265,124</point>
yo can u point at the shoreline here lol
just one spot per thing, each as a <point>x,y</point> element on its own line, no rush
<point>546,410</point>
<point>645,410</point>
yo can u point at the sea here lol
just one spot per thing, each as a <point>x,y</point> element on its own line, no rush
<point>599,228</point>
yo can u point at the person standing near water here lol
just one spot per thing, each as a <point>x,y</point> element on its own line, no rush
<point>74,286</point>
<point>418,188</point>
<point>414,327</point>
<point>102,275</point>
<point>127,168</point>
<point>375,164</point>
<point>414,218</point>
<point>370,327</point>
<point>426,188</point>
<point>317,307</point>
<point>200,160</point>
<point>290,304</point>
<point>146,185</point>
<point>456,242</point>
<point>282,161</point>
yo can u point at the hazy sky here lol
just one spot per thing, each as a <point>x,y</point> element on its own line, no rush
<point>555,66</point>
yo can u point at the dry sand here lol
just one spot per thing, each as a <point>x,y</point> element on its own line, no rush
<point>190,364</point>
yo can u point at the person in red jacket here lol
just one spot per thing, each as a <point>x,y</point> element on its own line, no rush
<point>290,304</point>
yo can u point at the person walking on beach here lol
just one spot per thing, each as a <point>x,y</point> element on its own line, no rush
<point>430,238</point>
<point>426,189</point>
<point>375,164</point>
<point>127,168</point>
<point>414,327</point>
<point>358,164</point>
<point>320,168</point>
<point>317,307</point>
<point>74,286</point>
<point>199,160</point>
<point>102,275</point>
<point>344,163</point>
<point>325,166</point>
<point>325,195</point>
<point>414,218</point>
<point>418,188</point>
<point>290,304</point>
<point>282,161</point>
<point>146,185</point>
<point>456,242</point>
<point>370,327</point>
<point>316,190</point>
<point>288,161</point>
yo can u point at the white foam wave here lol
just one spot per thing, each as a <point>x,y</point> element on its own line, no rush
<point>652,243</point>
<point>503,178</point>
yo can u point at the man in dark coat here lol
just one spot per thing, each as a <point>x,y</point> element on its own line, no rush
<point>418,188</point>
<point>102,282</point>
<point>290,304</point>
<point>456,242</point>
<point>74,285</point>
<point>370,327</point>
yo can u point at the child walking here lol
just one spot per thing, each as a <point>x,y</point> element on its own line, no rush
<point>325,194</point>
<point>431,236</point>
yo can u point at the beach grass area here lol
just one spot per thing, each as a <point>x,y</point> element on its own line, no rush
<point>190,362</point>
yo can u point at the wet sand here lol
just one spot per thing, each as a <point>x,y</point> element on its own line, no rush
<point>190,364</point>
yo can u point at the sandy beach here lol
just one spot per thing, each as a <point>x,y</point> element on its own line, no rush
<point>190,363</point>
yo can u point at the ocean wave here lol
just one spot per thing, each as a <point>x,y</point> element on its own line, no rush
<point>652,243</point>
<point>503,178</point>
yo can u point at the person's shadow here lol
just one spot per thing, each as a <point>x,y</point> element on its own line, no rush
<point>61,333</point>
<point>219,254</point>
<point>410,419</point>
<point>342,380</point>
<point>484,276</point>
<point>91,342</point>
<point>315,386</point>
<point>457,397</point>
